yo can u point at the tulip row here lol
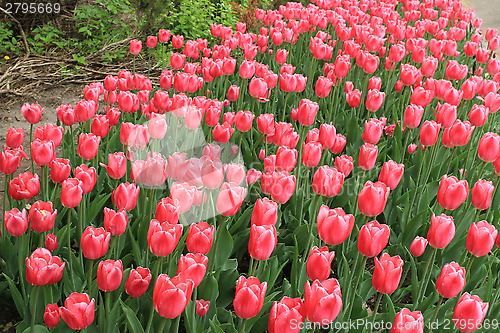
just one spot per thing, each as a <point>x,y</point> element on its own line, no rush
<point>304,197</point>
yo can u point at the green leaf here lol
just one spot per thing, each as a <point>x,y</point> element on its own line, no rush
<point>36,329</point>
<point>133,323</point>
<point>16,296</point>
<point>224,246</point>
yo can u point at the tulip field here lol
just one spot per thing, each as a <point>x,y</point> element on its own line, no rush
<point>333,168</point>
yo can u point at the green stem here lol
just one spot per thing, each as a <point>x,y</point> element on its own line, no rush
<point>241,329</point>
<point>90,276</point>
<point>359,273</point>
<point>36,291</point>
<point>426,276</point>
<point>377,304</point>
<point>434,315</point>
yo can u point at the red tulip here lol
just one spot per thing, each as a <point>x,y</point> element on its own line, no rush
<point>327,135</point>
<point>24,186</point>
<point>460,133</point>
<point>51,242</point>
<point>117,165</point>
<point>367,156</point>
<point>51,315</point>
<point>353,98</point>
<point>372,131</point>
<point>413,115</point>
<point>265,212</point>
<point>265,123</point>
<point>115,222</point>
<point>327,181</point>
<point>88,145</point>
<point>230,198</point>
<point>163,237</point>
<point>452,192</point>
<point>249,297</point>
<point>10,161</point>
<point>163,35</point>
<point>167,210</point>
<point>151,41</point>
<point>441,231</point>
<point>391,174</point>
<point>451,280</point>
<point>429,133</point>
<point>387,273</point>
<point>71,192</point>
<point>60,169</point>
<point>14,137</point>
<point>481,238</point>
<point>202,307</point>
<point>84,110</point>
<point>192,266</point>
<point>318,265</point>
<point>109,275</point>
<point>138,282</point>
<point>262,242</point>
<point>78,311</point>
<point>243,120</point>
<point>87,176</point>
<point>334,225</point>
<point>200,238</point>
<point>66,114</point>
<point>482,194</point>
<point>488,149</point>
<point>417,247</point>
<point>171,295</point>
<point>15,221</point>
<point>42,216</point>
<point>100,126</point>
<point>152,172</point>
<point>373,198</point>
<point>94,242</point>
<point>125,196</point>
<point>135,46</point>
<point>469,313</point>
<point>374,100</point>
<point>32,112</point>
<point>322,301</point>
<point>42,268</point>
<point>258,89</point>
<point>372,238</point>
<point>407,321</point>
<point>233,93</point>
<point>284,314</point>
<point>286,159</point>
<point>307,112</point>
<point>222,133</point>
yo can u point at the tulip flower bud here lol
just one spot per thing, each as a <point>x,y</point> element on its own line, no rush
<point>163,237</point>
<point>372,238</point>
<point>451,280</point>
<point>327,181</point>
<point>334,225</point>
<point>413,115</point>
<point>88,145</point>
<point>135,46</point>
<point>125,196</point>
<point>51,242</point>
<point>367,156</point>
<point>249,297</point>
<point>373,198</point>
<point>193,266</point>
<point>32,113</point>
<point>117,165</point>
<point>482,194</point>
<point>94,242</point>
<point>87,176</point>
<point>318,265</point>
<point>71,192</point>
<point>488,149</point>
<point>60,170</point>
<point>14,137</point>
<point>200,237</point>
<point>109,275</point>
<point>387,273</point>
<point>42,268</point>
<point>230,198</point>
<point>441,231</point>
<point>391,174</point>
<point>322,301</point>
<point>262,241</point>
<point>138,282</point>
<point>429,133</point>
<point>284,314</point>
<point>311,154</point>
<point>481,238</point>
<point>407,321</point>
<point>78,311</point>
<point>24,186</point>
<point>417,247</point>
<point>327,135</point>
<point>15,221</point>
<point>42,216</point>
<point>51,315</point>
<point>202,307</point>
<point>265,212</point>
<point>372,131</point>
<point>452,192</point>
<point>469,313</point>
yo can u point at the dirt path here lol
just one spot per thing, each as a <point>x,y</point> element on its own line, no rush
<point>487,10</point>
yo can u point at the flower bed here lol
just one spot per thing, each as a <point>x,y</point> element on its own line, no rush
<point>335,170</point>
